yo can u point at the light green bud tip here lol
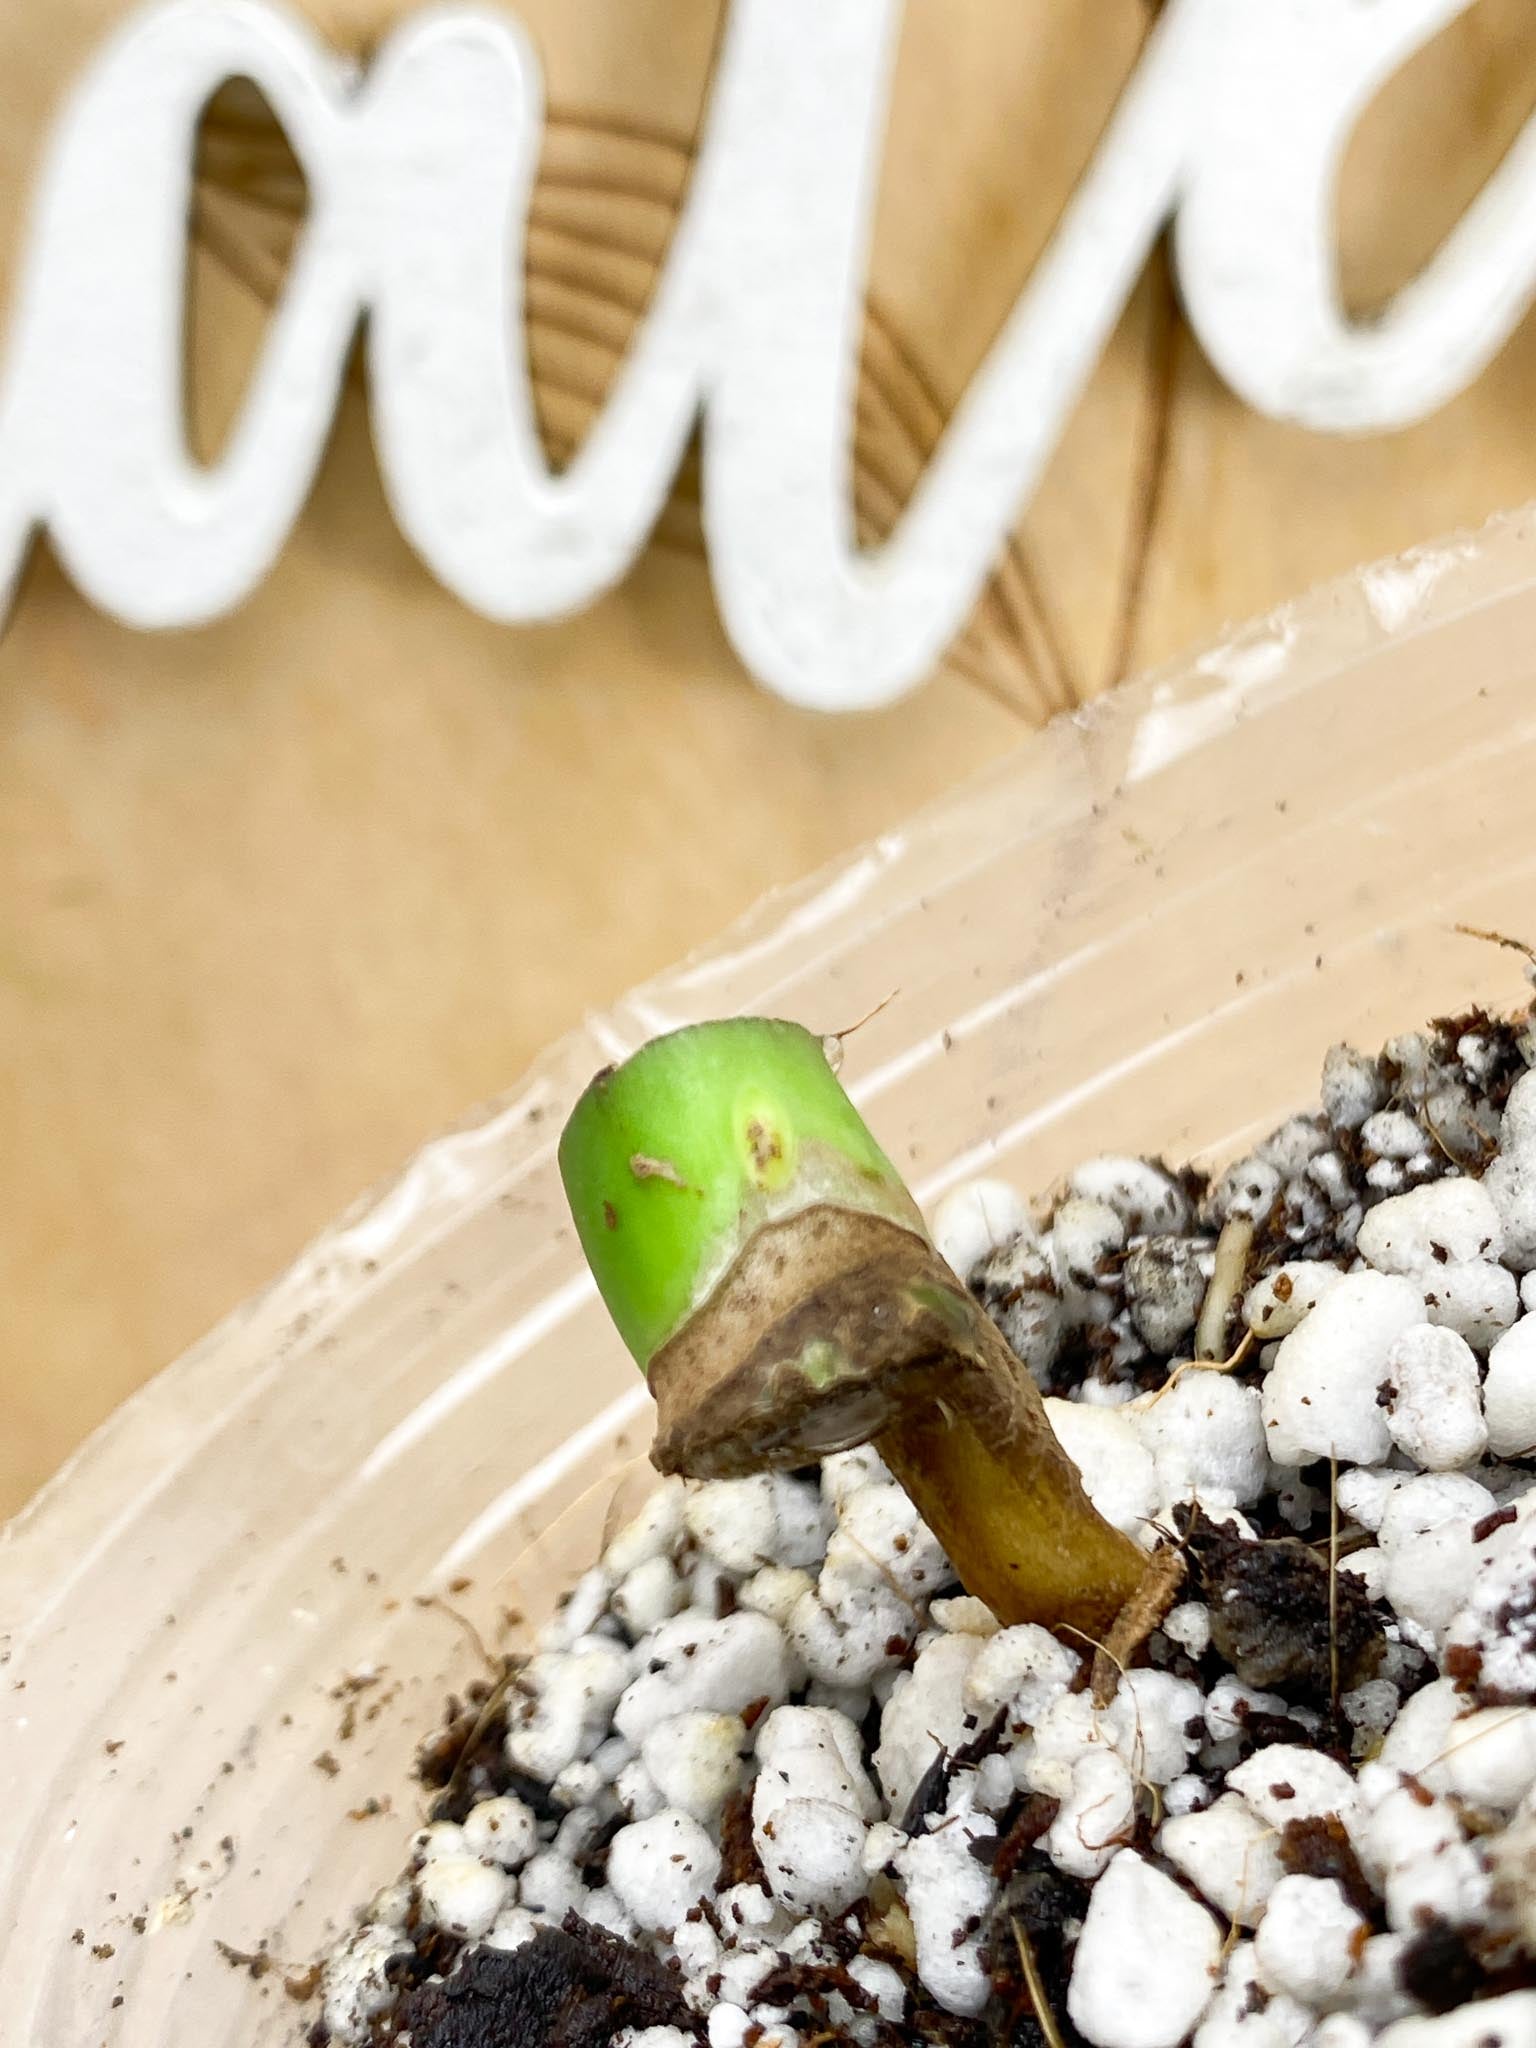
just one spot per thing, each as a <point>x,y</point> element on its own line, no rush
<point>672,1160</point>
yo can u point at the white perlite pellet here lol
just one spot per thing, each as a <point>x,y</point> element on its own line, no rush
<point>355,1986</point>
<point>501,1831</point>
<point>812,1851</point>
<point>1450,1220</point>
<point>1306,1941</point>
<point>1474,1297</point>
<point>1353,1087</point>
<point>662,1866</point>
<point>811,1806</point>
<point>949,1896</point>
<point>462,1895</point>
<point>768,1519</point>
<point>1510,1182</point>
<point>1189,1625</point>
<point>694,1760</point>
<point>1206,1437</point>
<point>883,1985</point>
<point>1147,1200</point>
<point>1434,1405</point>
<point>1319,1400</point>
<point>1340,2030</point>
<point>1497,1624</point>
<point>1283,1782</point>
<point>927,1710</point>
<point>551,1886</point>
<point>1507,2022</point>
<point>1277,1304</point>
<point>1023,1671</point>
<point>1417,1853</point>
<point>1145,1964</point>
<point>1097,1816</point>
<point>975,1219</point>
<point>1509,1392</point>
<point>567,1700</point>
<point>649,1595</point>
<point>701,1662</point>
<point>805,1648</point>
<point>1228,1853</point>
<point>1085,1236</point>
<point>1488,1758</point>
<point>1244,2015</point>
<point>1117,1468</point>
<point>1427,1538</point>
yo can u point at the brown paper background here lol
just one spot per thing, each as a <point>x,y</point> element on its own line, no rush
<point>281,896</point>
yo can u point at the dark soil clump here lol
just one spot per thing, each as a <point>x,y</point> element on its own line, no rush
<point>466,1760</point>
<point>1318,1846</point>
<point>1270,1615</point>
<point>574,1986</point>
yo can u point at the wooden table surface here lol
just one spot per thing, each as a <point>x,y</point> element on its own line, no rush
<point>280,897</point>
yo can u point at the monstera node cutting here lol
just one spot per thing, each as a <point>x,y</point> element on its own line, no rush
<point>772,1276</point>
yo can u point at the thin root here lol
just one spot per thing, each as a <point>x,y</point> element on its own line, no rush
<point>1333,1584</point>
<point>1142,1613</point>
<point>832,1041</point>
<point>1472,931</point>
<point>1232,1250</point>
<point>491,1707</point>
<point>1234,1933</point>
<point>1204,1365</point>
<point>1106,1660</point>
<point>1050,2027</point>
<point>1345,1545</point>
<point>493,1664</point>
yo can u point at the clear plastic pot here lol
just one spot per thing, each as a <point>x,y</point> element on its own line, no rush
<point>228,1623</point>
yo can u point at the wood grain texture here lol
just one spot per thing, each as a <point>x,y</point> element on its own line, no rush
<point>280,897</point>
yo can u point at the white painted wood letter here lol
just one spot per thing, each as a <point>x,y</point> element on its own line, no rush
<point>1257,250</point>
<point>420,176</point>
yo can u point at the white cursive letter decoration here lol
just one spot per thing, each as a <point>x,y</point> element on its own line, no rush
<point>420,172</point>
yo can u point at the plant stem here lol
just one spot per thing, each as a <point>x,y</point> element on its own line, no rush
<point>1015,1521</point>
